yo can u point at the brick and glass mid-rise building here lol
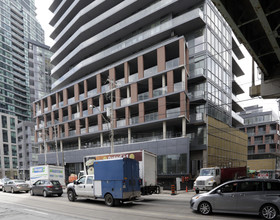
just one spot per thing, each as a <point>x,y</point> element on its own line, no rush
<point>263,129</point>
<point>154,75</point>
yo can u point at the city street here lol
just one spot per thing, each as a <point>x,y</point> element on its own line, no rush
<point>162,206</point>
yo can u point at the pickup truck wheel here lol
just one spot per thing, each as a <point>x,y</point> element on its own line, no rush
<point>71,196</point>
<point>109,200</point>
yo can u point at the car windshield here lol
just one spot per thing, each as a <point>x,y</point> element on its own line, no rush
<point>206,172</point>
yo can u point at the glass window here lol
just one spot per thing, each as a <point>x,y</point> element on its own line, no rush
<point>14,163</point>
<point>271,186</point>
<point>249,186</point>
<point>6,149</point>
<point>229,188</point>
<point>4,121</point>
<point>82,180</point>
<point>13,137</point>
<point>90,180</point>
<point>14,150</point>
<point>7,162</point>
<point>12,123</point>
<point>5,135</point>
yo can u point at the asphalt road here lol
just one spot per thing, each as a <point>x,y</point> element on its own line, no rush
<point>162,206</point>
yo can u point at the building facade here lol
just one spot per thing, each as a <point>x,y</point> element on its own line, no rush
<point>24,70</point>
<point>263,131</point>
<point>18,23</point>
<point>134,75</point>
<point>8,146</point>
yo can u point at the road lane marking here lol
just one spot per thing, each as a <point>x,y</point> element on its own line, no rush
<point>38,212</point>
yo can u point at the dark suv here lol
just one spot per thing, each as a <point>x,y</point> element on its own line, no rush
<point>46,188</point>
<point>246,196</point>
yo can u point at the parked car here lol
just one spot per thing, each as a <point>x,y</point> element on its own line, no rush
<point>246,196</point>
<point>2,182</point>
<point>46,188</point>
<point>15,186</point>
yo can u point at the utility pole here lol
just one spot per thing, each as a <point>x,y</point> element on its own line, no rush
<point>55,139</point>
<point>111,118</point>
<point>45,147</point>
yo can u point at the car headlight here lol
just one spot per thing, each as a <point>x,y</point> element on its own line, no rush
<point>196,197</point>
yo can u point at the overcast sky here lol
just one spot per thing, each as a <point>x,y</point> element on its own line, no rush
<point>44,16</point>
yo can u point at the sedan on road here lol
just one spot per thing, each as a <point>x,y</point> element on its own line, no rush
<point>15,186</point>
<point>246,196</point>
<point>46,188</point>
<point>2,182</point>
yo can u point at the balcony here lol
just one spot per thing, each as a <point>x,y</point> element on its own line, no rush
<point>197,118</point>
<point>60,104</point>
<point>151,116</point>
<point>93,129</point>
<point>121,123</point>
<point>150,71</point>
<point>125,101</point>
<point>82,96</point>
<point>106,126</point>
<point>120,82</point>
<point>76,115</point>
<point>53,106</point>
<point>197,95</point>
<point>65,118</point>
<point>133,77</point>
<point>71,100</point>
<point>105,88</point>
<point>85,113</point>
<point>143,96</point>
<point>179,86</point>
<point>83,131</point>
<point>172,63</point>
<point>92,92</point>
<point>159,91</point>
<point>237,119</point>
<point>173,113</point>
<point>134,120</point>
<point>72,133</point>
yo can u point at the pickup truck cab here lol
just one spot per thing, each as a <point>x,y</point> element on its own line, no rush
<point>82,187</point>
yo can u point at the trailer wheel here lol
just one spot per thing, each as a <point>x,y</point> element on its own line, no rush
<point>109,200</point>
<point>71,196</point>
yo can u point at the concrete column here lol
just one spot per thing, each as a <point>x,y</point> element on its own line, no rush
<point>184,78</point>
<point>164,130</point>
<point>61,146</point>
<point>184,123</point>
<point>163,83</point>
<point>79,143</point>
<point>129,135</point>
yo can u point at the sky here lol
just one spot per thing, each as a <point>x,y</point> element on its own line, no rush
<point>44,16</point>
